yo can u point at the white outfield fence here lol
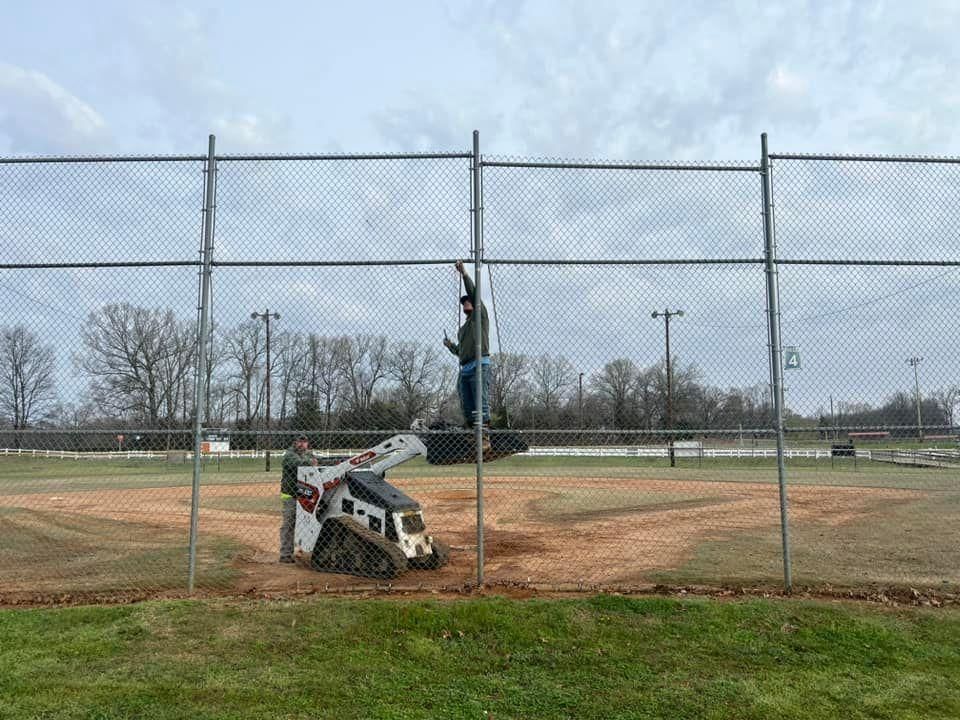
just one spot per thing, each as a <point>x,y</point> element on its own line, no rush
<point>680,452</point>
<point>637,451</point>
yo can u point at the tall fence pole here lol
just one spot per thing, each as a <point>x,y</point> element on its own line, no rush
<point>776,365</point>
<point>478,340</point>
<point>202,342</point>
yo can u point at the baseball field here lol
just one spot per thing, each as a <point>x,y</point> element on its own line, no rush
<point>103,526</point>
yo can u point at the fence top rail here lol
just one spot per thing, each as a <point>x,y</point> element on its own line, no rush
<point>348,156</point>
<point>626,261</point>
<point>932,159</point>
<point>486,161</point>
<point>329,263</point>
<point>100,264</point>
<point>901,262</point>
<point>52,159</point>
<point>588,165</point>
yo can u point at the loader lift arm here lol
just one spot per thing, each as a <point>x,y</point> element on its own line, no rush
<point>380,458</point>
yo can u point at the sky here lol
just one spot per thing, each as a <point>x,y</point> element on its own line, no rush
<point>628,80</point>
<point>657,81</point>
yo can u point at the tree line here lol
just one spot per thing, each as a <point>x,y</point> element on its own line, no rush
<point>138,365</point>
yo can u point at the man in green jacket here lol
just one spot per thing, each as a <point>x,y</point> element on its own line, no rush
<point>466,350</point>
<point>296,456</point>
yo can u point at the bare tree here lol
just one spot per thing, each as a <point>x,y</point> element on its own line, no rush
<point>136,359</point>
<point>72,415</point>
<point>647,398</point>
<point>683,389</point>
<point>443,398</point>
<point>215,400</point>
<point>507,377</point>
<point>245,352</point>
<point>220,400</point>
<point>363,364</point>
<point>177,368</point>
<point>322,379</point>
<point>706,406</point>
<point>947,399</point>
<point>616,384</point>
<point>749,407</point>
<point>413,366</point>
<point>27,377</point>
<point>551,379</point>
<point>288,360</point>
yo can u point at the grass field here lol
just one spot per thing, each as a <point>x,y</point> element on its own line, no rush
<point>602,657</point>
<point>79,525</point>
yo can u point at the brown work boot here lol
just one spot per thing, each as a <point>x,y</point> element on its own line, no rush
<point>485,441</point>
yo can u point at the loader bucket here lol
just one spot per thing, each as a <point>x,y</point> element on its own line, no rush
<point>453,447</point>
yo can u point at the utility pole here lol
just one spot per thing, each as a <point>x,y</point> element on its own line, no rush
<point>266,317</point>
<point>913,362</point>
<point>833,420</point>
<point>667,314</point>
<point>580,400</point>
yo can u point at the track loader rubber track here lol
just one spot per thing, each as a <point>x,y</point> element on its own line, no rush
<point>345,546</point>
<point>437,559</point>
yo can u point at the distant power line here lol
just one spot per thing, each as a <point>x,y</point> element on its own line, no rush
<point>871,301</point>
<point>38,301</point>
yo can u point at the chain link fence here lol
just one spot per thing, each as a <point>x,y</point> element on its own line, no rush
<point>709,373</point>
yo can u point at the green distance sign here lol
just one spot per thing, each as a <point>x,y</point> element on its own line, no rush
<point>791,358</point>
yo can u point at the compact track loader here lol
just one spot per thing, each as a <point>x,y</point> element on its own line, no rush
<point>351,520</point>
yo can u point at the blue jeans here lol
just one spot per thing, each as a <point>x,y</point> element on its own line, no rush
<point>467,388</point>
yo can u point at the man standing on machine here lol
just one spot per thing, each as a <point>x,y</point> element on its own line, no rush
<point>466,350</point>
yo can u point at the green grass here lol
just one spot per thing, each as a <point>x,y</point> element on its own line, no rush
<point>55,551</point>
<point>606,657</point>
<point>33,475</point>
<point>896,543</point>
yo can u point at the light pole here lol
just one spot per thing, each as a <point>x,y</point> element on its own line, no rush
<point>666,315</point>
<point>913,362</point>
<point>266,316</point>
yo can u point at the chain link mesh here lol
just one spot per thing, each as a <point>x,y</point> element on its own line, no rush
<point>873,400</point>
<point>97,367</point>
<point>610,462</point>
<point>603,501</point>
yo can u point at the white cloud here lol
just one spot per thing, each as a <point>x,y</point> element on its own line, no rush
<point>435,127</point>
<point>249,132</point>
<point>39,115</point>
<point>698,81</point>
<point>176,73</point>
<point>785,82</point>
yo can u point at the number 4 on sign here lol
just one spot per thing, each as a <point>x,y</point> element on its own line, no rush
<point>791,358</point>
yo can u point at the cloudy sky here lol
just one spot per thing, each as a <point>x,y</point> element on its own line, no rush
<point>664,80</point>
<point>677,81</point>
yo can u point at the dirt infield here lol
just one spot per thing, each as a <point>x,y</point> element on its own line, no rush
<point>544,530</point>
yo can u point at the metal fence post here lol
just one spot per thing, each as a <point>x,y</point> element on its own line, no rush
<point>776,366</point>
<point>202,343</point>
<point>478,339</point>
